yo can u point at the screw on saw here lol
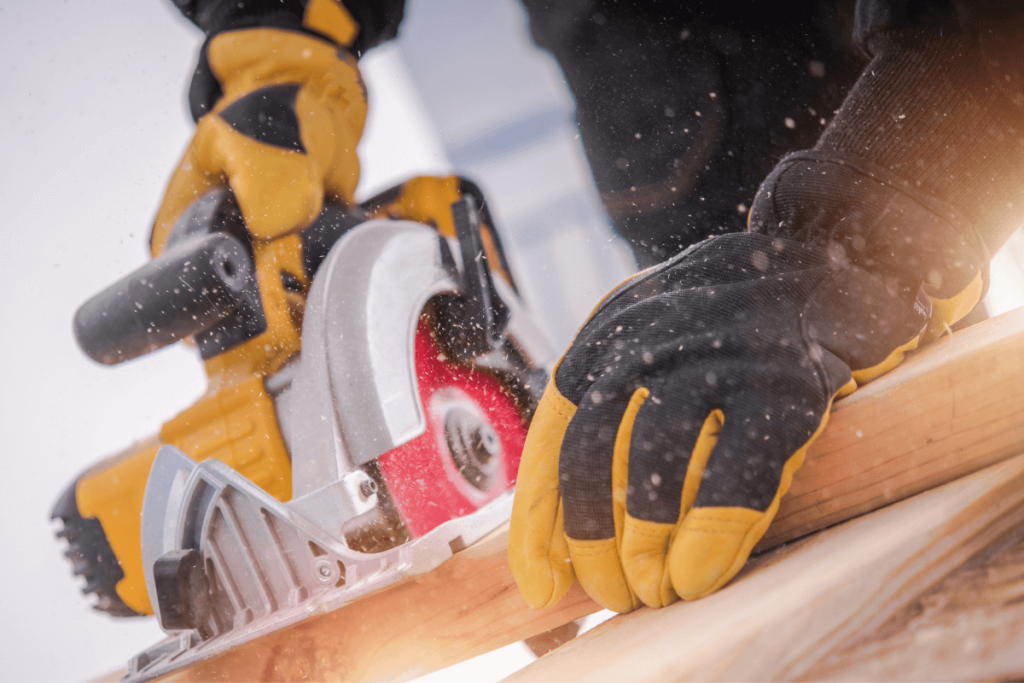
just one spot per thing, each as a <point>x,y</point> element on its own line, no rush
<point>323,571</point>
<point>367,488</point>
<point>474,446</point>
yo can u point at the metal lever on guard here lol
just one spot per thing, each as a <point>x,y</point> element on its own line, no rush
<point>476,319</point>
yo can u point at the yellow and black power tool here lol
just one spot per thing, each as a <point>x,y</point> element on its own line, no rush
<point>371,378</point>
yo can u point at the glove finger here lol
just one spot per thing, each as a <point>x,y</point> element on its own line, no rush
<point>278,189</point>
<point>292,113</point>
<point>537,552</point>
<point>748,472</point>
<point>669,448</point>
<point>593,474</point>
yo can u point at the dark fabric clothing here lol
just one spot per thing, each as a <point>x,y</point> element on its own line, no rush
<point>378,19</point>
<point>684,108</point>
<point>958,139</point>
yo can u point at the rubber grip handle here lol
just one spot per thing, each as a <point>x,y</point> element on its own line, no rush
<point>186,290</point>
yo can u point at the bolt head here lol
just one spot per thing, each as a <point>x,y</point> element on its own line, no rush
<point>368,488</point>
<point>323,571</point>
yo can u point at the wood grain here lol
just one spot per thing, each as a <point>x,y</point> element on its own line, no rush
<point>953,409</point>
<point>968,626</point>
<point>843,603</point>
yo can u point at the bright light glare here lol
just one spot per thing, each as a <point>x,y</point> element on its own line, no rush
<point>1006,291</point>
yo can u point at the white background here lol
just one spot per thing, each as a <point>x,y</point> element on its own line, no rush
<point>92,121</point>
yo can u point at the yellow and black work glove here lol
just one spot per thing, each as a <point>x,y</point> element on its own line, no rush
<point>674,423</point>
<point>282,133</point>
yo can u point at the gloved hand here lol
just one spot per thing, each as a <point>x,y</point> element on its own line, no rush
<point>285,112</point>
<point>674,423</point>
<point>283,133</point>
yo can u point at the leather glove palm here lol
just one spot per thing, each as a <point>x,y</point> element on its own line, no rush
<point>675,421</point>
<point>282,135</point>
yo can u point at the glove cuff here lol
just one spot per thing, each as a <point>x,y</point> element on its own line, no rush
<point>861,213</point>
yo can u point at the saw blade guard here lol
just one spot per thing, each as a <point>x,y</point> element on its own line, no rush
<point>382,384</point>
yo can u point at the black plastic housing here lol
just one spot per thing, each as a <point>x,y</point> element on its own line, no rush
<point>190,288</point>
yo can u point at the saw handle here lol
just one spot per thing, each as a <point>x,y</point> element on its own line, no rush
<point>190,288</point>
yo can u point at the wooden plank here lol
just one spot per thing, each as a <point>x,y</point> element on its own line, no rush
<point>543,643</point>
<point>969,626</point>
<point>849,603</point>
<point>955,408</point>
<point>466,607</point>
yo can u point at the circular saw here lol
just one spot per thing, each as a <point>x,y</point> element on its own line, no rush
<point>389,442</point>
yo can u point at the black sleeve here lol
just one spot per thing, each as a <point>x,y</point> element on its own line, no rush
<point>996,27</point>
<point>941,106</point>
<point>684,107</point>
<point>378,22</point>
<point>378,19</point>
<point>873,17</point>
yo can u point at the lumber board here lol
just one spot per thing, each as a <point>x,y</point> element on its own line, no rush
<point>467,606</point>
<point>954,408</point>
<point>878,598</point>
<point>543,643</point>
<point>969,626</point>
